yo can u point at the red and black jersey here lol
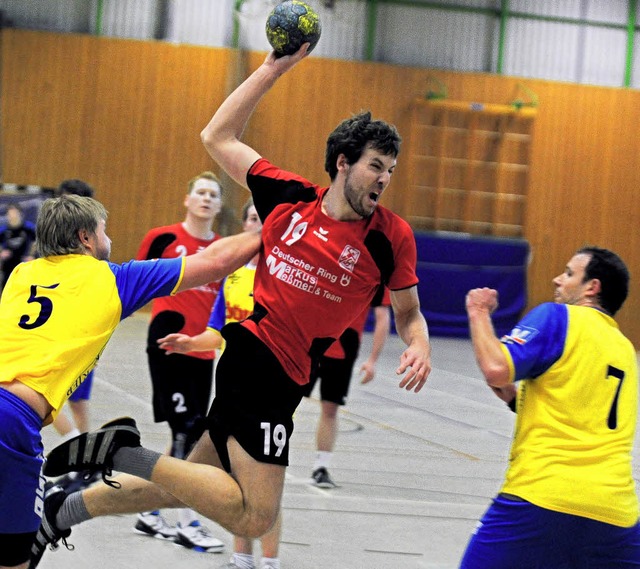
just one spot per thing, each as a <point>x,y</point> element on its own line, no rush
<point>316,275</point>
<point>187,311</point>
<point>336,350</point>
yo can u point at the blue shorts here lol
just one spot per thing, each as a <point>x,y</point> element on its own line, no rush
<point>21,480</point>
<point>84,391</point>
<point>519,535</point>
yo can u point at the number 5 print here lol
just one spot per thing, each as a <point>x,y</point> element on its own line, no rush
<point>46,308</point>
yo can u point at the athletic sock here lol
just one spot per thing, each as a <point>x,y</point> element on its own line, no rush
<point>323,459</point>
<point>270,563</point>
<point>244,560</point>
<point>138,461</point>
<point>72,512</point>
<point>186,516</point>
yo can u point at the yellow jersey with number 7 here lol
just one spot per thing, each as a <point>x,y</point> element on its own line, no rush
<point>576,413</point>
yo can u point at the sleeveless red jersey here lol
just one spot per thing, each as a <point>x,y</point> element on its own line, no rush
<point>187,311</point>
<point>316,275</point>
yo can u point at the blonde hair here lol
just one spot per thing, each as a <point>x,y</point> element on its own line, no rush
<point>206,176</point>
<point>60,221</point>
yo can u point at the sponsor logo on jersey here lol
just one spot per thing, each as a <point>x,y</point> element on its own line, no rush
<point>519,335</point>
<point>321,233</point>
<point>293,275</point>
<point>349,258</point>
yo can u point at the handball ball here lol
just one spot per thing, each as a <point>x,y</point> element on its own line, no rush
<point>290,24</point>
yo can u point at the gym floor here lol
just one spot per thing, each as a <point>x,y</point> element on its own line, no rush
<point>415,471</point>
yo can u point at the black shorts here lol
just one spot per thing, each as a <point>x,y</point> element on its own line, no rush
<point>335,378</point>
<point>335,374</point>
<point>181,387</point>
<point>255,400</point>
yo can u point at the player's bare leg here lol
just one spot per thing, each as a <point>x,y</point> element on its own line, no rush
<point>246,503</point>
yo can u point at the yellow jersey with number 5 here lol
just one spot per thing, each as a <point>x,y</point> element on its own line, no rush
<point>576,414</point>
<point>57,314</point>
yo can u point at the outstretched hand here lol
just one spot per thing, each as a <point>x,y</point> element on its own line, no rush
<point>175,343</point>
<point>415,363</point>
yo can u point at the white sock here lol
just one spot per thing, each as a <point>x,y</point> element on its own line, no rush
<point>186,516</point>
<point>270,563</point>
<point>243,560</point>
<point>323,459</point>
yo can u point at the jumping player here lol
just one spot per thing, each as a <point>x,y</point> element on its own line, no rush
<point>325,252</point>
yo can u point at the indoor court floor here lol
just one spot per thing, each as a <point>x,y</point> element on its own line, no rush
<point>415,471</point>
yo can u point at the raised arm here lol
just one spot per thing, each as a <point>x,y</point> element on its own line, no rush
<point>221,137</point>
<point>480,304</point>
<point>412,328</point>
<point>219,259</point>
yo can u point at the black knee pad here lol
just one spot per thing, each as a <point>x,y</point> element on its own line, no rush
<point>185,436</point>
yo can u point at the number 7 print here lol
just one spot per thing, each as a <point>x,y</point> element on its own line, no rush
<point>612,421</point>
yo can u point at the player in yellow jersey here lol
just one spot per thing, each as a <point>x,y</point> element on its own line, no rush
<point>56,315</point>
<point>569,499</point>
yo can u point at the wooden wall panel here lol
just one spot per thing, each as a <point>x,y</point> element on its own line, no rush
<point>126,115</point>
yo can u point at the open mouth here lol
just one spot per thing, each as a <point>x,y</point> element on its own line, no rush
<point>374,197</point>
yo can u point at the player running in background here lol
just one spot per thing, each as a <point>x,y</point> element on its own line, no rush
<point>181,385</point>
<point>233,304</point>
<point>79,400</point>
<point>333,371</point>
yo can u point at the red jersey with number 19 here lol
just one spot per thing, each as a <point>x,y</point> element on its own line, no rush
<point>316,275</point>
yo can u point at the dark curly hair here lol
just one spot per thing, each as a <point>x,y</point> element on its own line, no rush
<point>352,136</point>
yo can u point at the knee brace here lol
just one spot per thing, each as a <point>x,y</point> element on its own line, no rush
<point>185,436</point>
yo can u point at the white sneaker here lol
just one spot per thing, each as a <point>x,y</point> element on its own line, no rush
<point>197,537</point>
<point>154,525</point>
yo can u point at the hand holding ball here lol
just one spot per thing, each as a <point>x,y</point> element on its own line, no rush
<point>290,24</point>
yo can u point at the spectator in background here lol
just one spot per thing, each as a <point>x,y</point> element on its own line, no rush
<point>334,370</point>
<point>17,241</point>
<point>182,383</point>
